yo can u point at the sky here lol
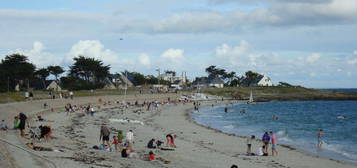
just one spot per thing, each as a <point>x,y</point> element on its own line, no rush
<point>303,42</point>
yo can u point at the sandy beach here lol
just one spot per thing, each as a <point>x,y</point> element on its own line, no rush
<point>197,146</point>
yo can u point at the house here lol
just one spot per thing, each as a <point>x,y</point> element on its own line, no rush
<point>119,81</point>
<point>43,85</point>
<point>260,80</point>
<point>212,81</point>
<point>216,82</point>
<point>109,84</point>
<point>171,77</point>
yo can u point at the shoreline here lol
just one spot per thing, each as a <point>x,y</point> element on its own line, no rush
<point>290,147</point>
<point>198,146</point>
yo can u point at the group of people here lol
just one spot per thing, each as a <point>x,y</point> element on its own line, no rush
<point>118,141</point>
<point>268,138</point>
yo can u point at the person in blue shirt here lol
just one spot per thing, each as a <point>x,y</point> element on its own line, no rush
<point>266,139</point>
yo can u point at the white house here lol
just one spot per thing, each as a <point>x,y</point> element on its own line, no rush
<point>260,80</point>
<point>265,81</point>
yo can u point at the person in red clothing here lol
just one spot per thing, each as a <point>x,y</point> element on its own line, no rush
<point>151,156</point>
<point>171,140</point>
<point>116,143</point>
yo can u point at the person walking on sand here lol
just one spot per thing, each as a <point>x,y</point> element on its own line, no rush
<point>104,135</point>
<point>273,144</point>
<point>319,138</point>
<point>266,139</point>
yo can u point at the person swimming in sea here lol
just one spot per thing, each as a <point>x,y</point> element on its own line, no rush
<point>342,117</point>
<point>275,118</point>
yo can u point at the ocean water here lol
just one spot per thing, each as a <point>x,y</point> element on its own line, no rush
<point>341,89</point>
<point>297,125</point>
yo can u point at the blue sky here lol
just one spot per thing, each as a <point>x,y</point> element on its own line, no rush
<point>309,43</point>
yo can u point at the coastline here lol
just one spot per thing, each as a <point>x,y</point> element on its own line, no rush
<point>198,146</point>
<point>289,147</point>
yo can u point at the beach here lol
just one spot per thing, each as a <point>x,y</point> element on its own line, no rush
<point>197,145</point>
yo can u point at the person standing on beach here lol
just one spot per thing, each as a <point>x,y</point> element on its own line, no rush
<point>249,144</point>
<point>71,95</point>
<point>266,139</point>
<point>273,144</point>
<point>104,135</point>
<point>319,138</point>
<point>31,96</point>
<point>22,125</point>
<point>129,138</point>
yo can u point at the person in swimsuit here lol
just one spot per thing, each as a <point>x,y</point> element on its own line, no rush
<point>249,144</point>
<point>273,143</point>
<point>319,138</point>
<point>170,140</point>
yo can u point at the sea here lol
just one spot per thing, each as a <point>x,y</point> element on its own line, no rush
<point>297,124</point>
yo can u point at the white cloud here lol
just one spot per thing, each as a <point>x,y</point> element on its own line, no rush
<point>313,58</point>
<point>93,49</point>
<point>144,59</point>
<point>352,61</point>
<point>274,13</point>
<point>241,55</point>
<point>355,52</point>
<point>173,55</point>
<point>38,56</point>
<point>312,74</point>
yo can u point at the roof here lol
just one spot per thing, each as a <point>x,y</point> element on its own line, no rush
<point>38,84</point>
<point>248,82</point>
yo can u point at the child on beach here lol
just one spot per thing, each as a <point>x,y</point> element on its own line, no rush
<point>152,156</point>
<point>273,143</point>
<point>16,122</point>
<point>319,138</point>
<point>116,143</point>
<point>171,140</point>
<point>120,137</point>
<point>249,144</point>
<point>3,125</point>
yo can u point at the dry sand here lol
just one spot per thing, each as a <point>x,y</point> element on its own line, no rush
<point>197,146</point>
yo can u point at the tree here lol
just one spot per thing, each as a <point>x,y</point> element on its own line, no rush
<point>139,78</point>
<point>230,77</point>
<point>89,72</point>
<point>151,79</point>
<point>55,70</point>
<point>251,76</point>
<point>213,71</point>
<point>42,73</point>
<point>14,69</point>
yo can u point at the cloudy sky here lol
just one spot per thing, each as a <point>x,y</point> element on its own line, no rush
<point>304,42</point>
